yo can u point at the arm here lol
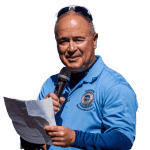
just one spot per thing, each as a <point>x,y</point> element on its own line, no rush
<point>65,137</point>
<point>119,120</point>
<point>109,140</point>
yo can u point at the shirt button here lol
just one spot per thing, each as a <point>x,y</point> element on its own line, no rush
<point>68,99</point>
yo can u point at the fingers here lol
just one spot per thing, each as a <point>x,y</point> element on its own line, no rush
<point>52,128</point>
<point>56,101</point>
<point>55,134</point>
<point>52,95</point>
<point>60,135</point>
<point>47,96</point>
<point>56,105</point>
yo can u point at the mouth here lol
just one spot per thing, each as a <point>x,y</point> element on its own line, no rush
<point>73,59</point>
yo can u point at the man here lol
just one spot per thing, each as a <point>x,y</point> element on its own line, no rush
<point>98,106</point>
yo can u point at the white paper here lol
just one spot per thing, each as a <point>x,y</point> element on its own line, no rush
<point>30,117</point>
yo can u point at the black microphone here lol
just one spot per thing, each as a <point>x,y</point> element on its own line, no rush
<point>63,78</point>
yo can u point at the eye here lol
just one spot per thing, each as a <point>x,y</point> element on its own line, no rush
<point>78,40</point>
<point>62,42</point>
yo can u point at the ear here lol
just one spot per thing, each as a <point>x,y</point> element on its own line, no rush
<point>95,37</point>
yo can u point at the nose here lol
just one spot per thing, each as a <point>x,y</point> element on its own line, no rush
<point>72,46</point>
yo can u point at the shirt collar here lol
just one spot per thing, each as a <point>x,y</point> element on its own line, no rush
<point>91,75</point>
<point>94,72</point>
<point>80,75</point>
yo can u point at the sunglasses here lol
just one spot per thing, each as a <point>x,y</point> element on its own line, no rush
<point>77,9</point>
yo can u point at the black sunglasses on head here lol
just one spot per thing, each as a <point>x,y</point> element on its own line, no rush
<point>77,9</point>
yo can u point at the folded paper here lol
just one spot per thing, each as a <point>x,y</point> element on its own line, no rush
<point>30,117</point>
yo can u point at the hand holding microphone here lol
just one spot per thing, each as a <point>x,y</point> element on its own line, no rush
<point>57,102</point>
<point>63,78</point>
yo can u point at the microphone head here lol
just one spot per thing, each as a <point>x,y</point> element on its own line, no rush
<point>65,74</point>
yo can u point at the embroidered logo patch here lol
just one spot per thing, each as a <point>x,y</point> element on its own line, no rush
<point>86,101</point>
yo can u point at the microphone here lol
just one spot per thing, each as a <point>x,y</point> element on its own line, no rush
<point>63,78</point>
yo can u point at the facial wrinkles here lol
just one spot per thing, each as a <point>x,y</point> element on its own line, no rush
<point>71,29</point>
<point>86,65</point>
<point>77,52</point>
<point>73,37</point>
<point>78,42</point>
<point>81,68</point>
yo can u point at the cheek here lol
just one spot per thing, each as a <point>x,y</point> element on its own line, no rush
<point>87,53</point>
<point>86,49</point>
<point>61,49</point>
<point>83,47</point>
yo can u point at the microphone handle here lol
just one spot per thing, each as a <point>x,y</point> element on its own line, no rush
<point>59,88</point>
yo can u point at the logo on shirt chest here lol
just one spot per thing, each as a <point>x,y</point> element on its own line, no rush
<point>86,101</point>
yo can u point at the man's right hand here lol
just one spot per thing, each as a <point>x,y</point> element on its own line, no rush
<point>57,102</point>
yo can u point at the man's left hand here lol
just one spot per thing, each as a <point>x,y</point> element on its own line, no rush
<point>60,135</point>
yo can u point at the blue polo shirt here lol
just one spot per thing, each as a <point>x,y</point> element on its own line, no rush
<point>102,101</point>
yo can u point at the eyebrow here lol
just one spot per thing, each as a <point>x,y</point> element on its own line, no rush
<point>75,37</point>
<point>79,37</point>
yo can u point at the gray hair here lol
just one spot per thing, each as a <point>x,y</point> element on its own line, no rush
<point>91,25</point>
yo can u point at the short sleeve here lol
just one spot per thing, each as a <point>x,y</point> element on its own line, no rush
<point>41,94</point>
<point>48,87</point>
<point>119,111</point>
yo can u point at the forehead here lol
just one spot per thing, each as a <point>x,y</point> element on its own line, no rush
<point>72,23</point>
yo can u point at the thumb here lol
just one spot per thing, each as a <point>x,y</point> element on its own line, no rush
<point>61,100</point>
<point>46,97</point>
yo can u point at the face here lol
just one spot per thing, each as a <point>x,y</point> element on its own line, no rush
<point>75,41</point>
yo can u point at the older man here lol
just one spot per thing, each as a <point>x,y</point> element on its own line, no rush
<point>98,105</point>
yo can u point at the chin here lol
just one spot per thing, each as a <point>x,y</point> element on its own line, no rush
<point>72,64</point>
<point>77,69</point>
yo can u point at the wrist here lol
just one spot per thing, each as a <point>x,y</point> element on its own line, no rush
<point>73,137</point>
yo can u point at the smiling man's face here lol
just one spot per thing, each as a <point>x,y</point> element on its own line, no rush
<point>75,41</point>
